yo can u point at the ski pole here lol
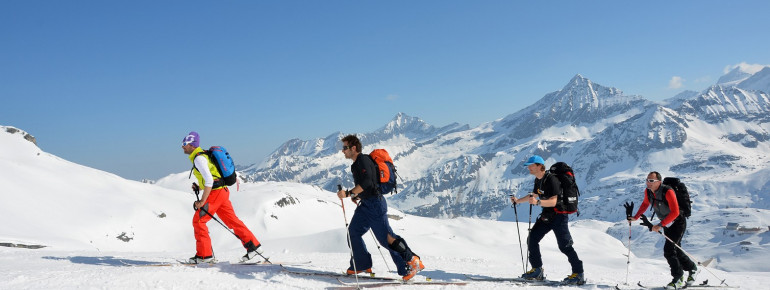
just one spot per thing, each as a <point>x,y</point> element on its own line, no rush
<point>649,225</point>
<point>529,231</point>
<point>518,233</point>
<point>629,214</point>
<point>380,249</point>
<point>628,261</point>
<point>196,188</point>
<point>350,243</point>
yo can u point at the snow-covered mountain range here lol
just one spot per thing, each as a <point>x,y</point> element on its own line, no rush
<point>64,218</point>
<point>715,140</point>
<point>67,226</point>
<point>612,140</point>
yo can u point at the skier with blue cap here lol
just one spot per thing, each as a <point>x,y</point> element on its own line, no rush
<point>545,193</point>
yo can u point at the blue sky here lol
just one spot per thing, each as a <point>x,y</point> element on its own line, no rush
<point>116,85</point>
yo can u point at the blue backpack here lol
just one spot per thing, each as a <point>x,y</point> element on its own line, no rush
<point>224,164</point>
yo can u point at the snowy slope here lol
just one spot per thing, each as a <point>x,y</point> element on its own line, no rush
<point>60,204</point>
<point>76,213</point>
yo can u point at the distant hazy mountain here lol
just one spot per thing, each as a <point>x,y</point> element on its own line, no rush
<point>758,82</point>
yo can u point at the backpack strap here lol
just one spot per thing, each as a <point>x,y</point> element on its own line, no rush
<point>217,182</point>
<point>545,177</point>
<point>651,198</point>
<point>193,167</point>
<point>560,196</point>
<point>665,188</point>
<point>542,181</point>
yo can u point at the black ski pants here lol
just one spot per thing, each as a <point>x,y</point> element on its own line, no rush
<point>560,228</point>
<point>676,258</point>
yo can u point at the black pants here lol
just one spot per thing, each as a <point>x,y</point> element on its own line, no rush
<point>676,258</point>
<point>558,224</point>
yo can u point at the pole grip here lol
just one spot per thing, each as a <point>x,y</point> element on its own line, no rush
<point>342,202</point>
<point>196,189</point>
<point>629,209</point>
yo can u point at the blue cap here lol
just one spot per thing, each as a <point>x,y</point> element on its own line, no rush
<point>192,138</point>
<point>535,159</point>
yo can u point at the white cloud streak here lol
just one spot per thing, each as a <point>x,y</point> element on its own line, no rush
<point>745,67</point>
<point>676,82</point>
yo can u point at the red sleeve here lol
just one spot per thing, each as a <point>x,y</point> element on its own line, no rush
<point>643,207</point>
<point>673,205</point>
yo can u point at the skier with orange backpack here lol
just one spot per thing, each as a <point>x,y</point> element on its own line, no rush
<point>372,212</point>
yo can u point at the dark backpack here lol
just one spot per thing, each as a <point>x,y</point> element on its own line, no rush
<point>567,202</point>
<point>682,195</point>
<point>221,159</point>
<point>386,171</point>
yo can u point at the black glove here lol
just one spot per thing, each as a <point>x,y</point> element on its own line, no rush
<point>629,210</point>
<point>646,222</point>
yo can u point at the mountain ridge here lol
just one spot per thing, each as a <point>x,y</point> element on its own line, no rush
<point>605,135</point>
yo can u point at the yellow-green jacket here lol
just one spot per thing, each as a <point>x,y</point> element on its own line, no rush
<point>212,168</point>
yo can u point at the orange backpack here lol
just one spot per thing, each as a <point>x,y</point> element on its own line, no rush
<point>386,170</point>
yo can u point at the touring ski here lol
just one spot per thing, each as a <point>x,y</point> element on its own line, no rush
<point>215,263</point>
<point>515,280</point>
<point>263,263</point>
<point>300,271</point>
<point>703,285</point>
<point>522,281</point>
<point>399,282</point>
<point>177,263</point>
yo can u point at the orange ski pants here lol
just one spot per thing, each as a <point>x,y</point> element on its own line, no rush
<point>218,203</point>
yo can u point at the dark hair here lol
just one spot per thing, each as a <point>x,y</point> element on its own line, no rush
<point>352,140</point>
<point>657,175</point>
<point>542,166</point>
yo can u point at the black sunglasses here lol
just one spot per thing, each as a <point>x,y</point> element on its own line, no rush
<point>346,147</point>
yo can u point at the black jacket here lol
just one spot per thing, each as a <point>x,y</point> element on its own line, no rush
<point>550,187</point>
<point>365,174</point>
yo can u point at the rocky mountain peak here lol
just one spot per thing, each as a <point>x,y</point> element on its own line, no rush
<point>403,123</point>
<point>25,135</point>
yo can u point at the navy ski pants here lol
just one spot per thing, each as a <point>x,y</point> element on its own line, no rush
<point>373,213</point>
<point>560,228</point>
